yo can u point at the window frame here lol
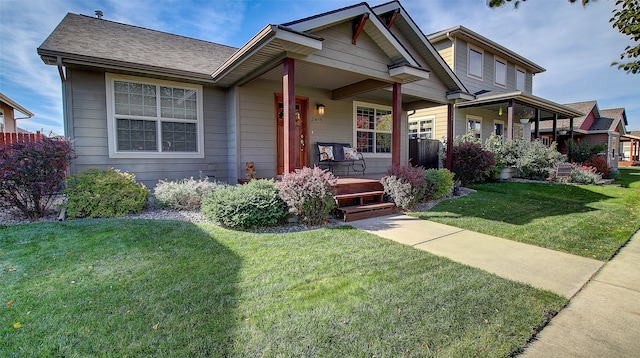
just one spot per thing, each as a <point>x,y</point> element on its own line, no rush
<point>501,122</point>
<point>376,107</point>
<point>112,136</point>
<point>481,52</point>
<point>524,79</point>
<point>475,119</point>
<point>417,120</point>
<point>495,71</point>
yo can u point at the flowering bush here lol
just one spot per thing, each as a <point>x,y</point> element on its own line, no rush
<point>505,153</point>
<point>184,194</point>
<point>471,163</point>
<point>600,164</point>
<point>399,191</point>
<point>582,174</point>
<point>104,194</point>
<point>439,183</point>
<point>309,194</point>
<point>414,176</point>
<point>536,160</point>
<point>581,151</point>
<point>33,173</point>
<point>254,204</point>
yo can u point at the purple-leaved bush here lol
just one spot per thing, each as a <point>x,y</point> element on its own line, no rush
<point>309,194</point>
<point>33,173</point>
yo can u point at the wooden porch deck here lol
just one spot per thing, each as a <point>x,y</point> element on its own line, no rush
<point>360,197</point>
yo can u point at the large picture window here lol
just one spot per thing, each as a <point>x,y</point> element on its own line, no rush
<point>373,128</point>
<point>421,128</point>
<point>153,118</point>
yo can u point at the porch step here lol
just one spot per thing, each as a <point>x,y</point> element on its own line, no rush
<point>361,198</point>
<point>358,212</point>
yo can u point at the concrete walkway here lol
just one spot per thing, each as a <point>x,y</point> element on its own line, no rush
<point>555,271</point>
<point>601,320</point>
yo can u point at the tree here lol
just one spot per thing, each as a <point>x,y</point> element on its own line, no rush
<point>626,19</point>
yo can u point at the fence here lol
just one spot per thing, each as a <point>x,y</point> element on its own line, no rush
<point>8,138</point>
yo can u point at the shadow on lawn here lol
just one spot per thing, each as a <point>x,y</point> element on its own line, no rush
<point>518,203</point>
<point>154,287</point>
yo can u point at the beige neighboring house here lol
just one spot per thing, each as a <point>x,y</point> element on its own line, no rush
<point>630,149</point>
<point>8,118</point>
<point>500,84</point>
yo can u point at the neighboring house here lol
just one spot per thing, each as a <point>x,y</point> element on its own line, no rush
<point>630,148</point>
<point>594,127</point>
<point>8,108</point>
<point>166,106</point>
<point>500,82</point>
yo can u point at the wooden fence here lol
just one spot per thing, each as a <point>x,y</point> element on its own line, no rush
<point>8,138</point>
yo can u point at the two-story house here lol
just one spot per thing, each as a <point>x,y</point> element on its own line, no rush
<point>500,82</point>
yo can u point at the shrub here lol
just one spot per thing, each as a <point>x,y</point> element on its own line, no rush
<point>536,160</point>
<point>414,176</point>
<point>505,152</point>
<point>33,173</point>
<point>399,191</point>
<point>581,151</point>
<point>471,163</point>
<point>309,194</point>
<point>600,164</point>
<point>585,175</point>
<point>439,183</point>
<point>105,193</point>
<point>254,204</point>
<point>184,194</point>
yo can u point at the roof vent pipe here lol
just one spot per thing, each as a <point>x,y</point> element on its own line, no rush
<point>99,14</point>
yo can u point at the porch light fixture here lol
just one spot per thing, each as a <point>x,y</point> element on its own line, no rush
<point>320,108</point>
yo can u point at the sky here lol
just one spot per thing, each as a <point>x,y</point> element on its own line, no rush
<point>575,44</point>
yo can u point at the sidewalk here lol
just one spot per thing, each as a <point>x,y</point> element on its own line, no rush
<point>555,271</point>
<point>601,320</point>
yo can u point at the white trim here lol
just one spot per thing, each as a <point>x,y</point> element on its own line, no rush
<point>355,127</point>
<point>481,52</point>
<point>477,119</point>
<point>111,127</point>
<point>497,59</point>
<point>498,121</point>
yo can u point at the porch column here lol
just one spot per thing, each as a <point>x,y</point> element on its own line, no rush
<point>571,127</point>
<point>396,111</point>
<point>510,120</point>
<point>450,130</point>
<point>289,104</point>
<point>555,127</point>
<point>537,124</point>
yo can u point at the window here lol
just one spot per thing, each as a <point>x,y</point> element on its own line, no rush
<point>474,126</point>
<point>421,128</point>
<point>518,131</point>
<point>154,118</point>
<point>498,127</point>
<point>475,63</point>
<point>373,128</point>
<point>501,72</point>
<point>520,78</point>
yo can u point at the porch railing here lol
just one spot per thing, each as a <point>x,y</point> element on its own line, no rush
<point>9,138</point>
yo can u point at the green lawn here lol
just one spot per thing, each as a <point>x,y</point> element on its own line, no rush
<point>162,288</point>
<point>590,221</point>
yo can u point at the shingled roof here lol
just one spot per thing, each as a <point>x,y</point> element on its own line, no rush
<point>583,107</point>
<point>85,39</point>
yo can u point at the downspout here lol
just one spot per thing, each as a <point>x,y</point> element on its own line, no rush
<point>68,129</point>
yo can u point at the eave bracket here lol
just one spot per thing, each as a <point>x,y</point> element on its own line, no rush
<point>358,25</point>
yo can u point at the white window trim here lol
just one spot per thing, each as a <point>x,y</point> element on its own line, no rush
<point>497,121</point>
<point>524,83</point>
<point>111,126</point>
<point>355,127</point>
<point>495,71</point>
<point>431,117</point>
<point>473,118</point>
<point>481,51</point>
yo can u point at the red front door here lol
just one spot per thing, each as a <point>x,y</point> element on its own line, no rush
<point>302,154</point>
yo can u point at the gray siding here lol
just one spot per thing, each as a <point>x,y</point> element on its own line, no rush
<point>89,123</point>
